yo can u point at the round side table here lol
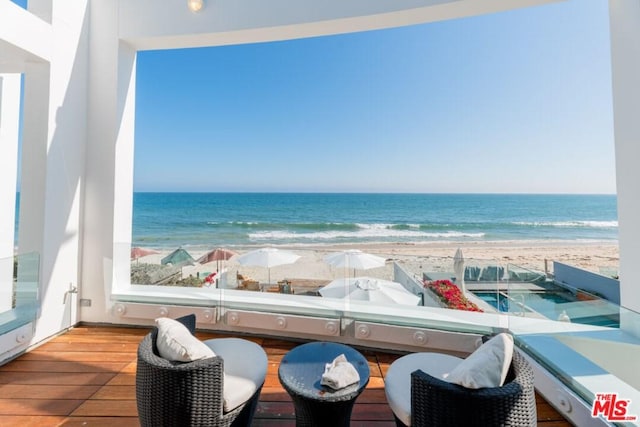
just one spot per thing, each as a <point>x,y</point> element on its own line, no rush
<point>316,405</point>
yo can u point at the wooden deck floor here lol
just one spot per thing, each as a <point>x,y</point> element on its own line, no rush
<point>86,377</point>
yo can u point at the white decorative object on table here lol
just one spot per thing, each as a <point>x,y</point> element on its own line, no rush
<point>339,373</point>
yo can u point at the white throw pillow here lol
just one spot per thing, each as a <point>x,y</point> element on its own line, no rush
<point>177,344</point>
<point>487,366</point>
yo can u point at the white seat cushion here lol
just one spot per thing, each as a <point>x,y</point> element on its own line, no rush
<point>397,383</point>
<point>487,366</point>
<point>176,343</point>
<point>245,368</point>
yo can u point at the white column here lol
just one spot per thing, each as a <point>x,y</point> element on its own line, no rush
<point>109,189</point>
<point>9,131</point>
<point>625,62</point>
<point>53,166</point>
<point>34,148</point>
<point>123,173</point>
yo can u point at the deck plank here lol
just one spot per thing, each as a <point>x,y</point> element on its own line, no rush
<point>105,408</point>
<point>38,407</point>
<point>119,421</point>
<point>86,376</point>
<point>48,378</point>
<point>27,366</point>
<point>31,420</point>
<point>40,391</point>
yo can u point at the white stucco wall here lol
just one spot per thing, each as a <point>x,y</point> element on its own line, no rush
<point>625,52</point>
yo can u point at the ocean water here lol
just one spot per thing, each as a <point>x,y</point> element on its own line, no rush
<point>204,220</point>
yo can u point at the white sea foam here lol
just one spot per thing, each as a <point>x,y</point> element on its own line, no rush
<point>570,224</point>
<point>365,233</point>
<point>375,226</point>
<point>379,226</point>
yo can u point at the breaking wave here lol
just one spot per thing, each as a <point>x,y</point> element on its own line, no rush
<point>571,224</point>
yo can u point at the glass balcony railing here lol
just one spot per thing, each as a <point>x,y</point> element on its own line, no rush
<point>393,293</point>
<point>19,279</point>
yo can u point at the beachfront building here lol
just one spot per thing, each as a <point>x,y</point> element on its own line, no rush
<point>71,68</point>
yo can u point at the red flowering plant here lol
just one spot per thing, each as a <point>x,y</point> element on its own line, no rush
<point>450,295</point>
<point>210,279</point>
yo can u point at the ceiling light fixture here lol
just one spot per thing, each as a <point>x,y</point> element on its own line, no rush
<point>195,5</point>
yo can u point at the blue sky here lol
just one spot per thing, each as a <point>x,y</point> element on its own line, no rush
<point>516,102</point>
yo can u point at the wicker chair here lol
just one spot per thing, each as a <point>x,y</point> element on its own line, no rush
<point>439,403</point>
<point>184,394</point>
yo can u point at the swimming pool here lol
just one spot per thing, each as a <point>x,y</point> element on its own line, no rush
<point>553,304</point>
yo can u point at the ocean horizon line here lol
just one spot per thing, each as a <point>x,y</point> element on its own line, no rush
<point>369,193</point>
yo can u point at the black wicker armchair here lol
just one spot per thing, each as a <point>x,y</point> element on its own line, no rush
<point>439,403</point>
<point>184,394</point>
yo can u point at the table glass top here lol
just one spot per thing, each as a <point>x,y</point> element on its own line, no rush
<point>301,370</point>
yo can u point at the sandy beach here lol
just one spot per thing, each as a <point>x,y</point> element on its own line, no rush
<point>597,257</point>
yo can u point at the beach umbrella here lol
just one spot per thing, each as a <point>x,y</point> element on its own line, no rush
<point>138,252</point>
<point>458,269</point>
<point>369,289</point>
<point>179,257</point>
<point>217,255</point>
<point>267,257</point>
<point>354,258</point>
